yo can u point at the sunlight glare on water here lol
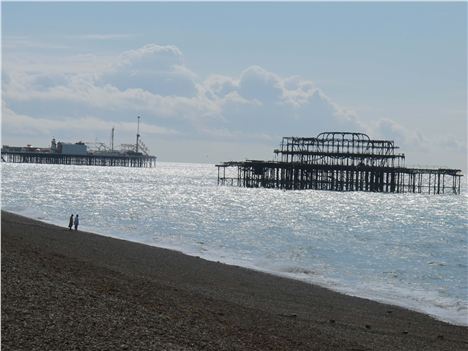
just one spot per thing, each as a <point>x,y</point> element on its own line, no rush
<point>405,249</point>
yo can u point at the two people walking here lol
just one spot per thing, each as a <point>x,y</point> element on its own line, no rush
<point>72,222</point>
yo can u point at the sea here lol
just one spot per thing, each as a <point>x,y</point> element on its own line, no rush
<point>409,250</point>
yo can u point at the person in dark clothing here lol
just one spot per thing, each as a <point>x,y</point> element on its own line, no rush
<point>70,224</point>
<point>77,222</point>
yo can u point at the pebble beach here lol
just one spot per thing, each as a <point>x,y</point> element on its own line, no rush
<point>73,290</point>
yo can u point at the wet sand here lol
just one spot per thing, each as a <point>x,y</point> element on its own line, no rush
<point>67,290</point>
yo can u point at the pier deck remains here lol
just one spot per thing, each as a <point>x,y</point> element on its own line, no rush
<point>339,161</point>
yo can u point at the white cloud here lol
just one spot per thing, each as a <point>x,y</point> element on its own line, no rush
<point>154,68</point>
<point>386,128</point>
<point>94,92</point>
<point>218,86</point>
<point>152,56</point>
<point>264,102</point>
<point>256,83</point>
<point>153,80</point>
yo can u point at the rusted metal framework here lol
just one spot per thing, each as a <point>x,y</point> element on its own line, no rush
<point>339,161</point>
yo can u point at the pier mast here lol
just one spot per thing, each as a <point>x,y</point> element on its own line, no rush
<point>138,135</point>
<point>112,139</point>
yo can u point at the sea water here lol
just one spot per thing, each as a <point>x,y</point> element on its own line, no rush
<point>405,249</point>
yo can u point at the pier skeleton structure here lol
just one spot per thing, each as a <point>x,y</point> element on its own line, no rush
<point>339,161</point>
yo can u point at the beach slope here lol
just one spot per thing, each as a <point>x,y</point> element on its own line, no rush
<point>67,290</point>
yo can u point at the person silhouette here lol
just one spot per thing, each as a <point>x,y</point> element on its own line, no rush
<point>70,224</point>
<point>77,222</point>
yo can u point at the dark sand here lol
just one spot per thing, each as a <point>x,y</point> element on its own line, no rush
<point>66,290</point>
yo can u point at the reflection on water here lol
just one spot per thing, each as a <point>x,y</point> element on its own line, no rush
<point>407,249</point>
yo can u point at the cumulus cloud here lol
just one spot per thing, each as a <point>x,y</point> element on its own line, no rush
<point>390,129</point>
<point>153,81</point>
<point>258,84</point>
<point>268,103</point>
<point>218,86</point>
<point>153,68</point>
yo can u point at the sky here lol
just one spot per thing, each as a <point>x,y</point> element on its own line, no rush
<point>226,81</point>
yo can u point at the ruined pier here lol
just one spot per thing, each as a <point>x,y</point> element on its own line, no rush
<point>339,161</point>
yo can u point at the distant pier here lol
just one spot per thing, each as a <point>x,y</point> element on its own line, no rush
<point>339,161</point>
<point>125,160</point>
<point>83,154</point>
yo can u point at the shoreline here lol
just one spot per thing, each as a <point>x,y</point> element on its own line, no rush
<point>81,289</point>
<point>232,262</point>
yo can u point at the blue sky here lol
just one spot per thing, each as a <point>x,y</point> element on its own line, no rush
<point>219,81</point>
